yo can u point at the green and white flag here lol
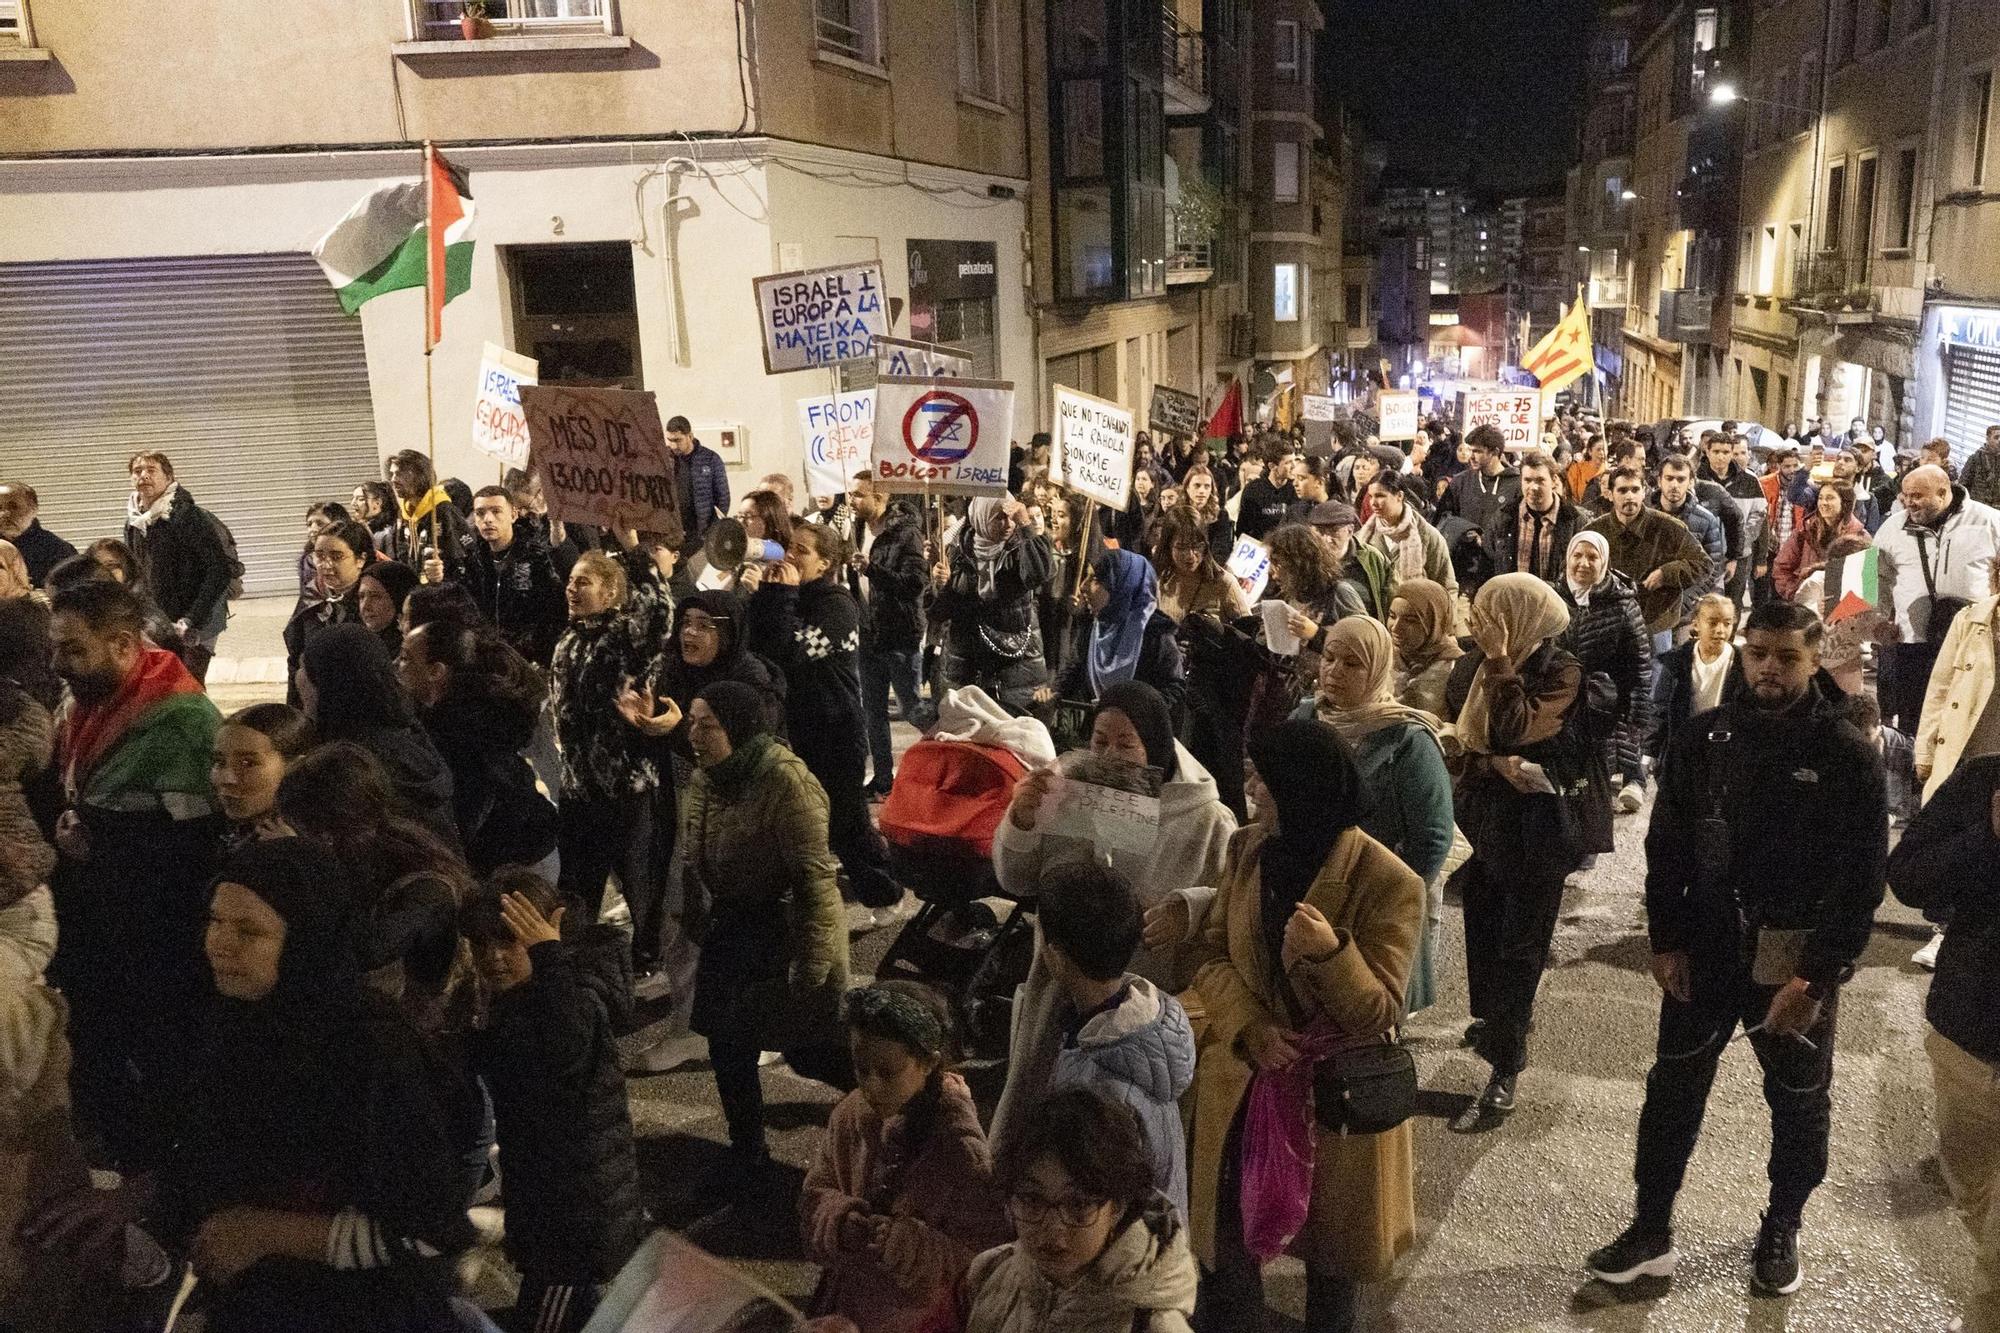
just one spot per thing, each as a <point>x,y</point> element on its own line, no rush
<point>384,242</point>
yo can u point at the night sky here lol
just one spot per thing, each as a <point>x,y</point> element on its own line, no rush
<point>1482,91</point>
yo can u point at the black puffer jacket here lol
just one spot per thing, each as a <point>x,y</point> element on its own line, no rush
<point>520,592</point>
<point>896,575</point>
<point>573,1209</point>
<point>1609,637</point>
<point>361,699</point>
<point>813,632</point>
<point>502,818</point>
<point>1943,866</point>
<point>182,562</point>
<point>1025,568</point>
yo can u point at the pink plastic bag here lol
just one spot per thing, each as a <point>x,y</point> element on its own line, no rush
<point>1279,1139</point>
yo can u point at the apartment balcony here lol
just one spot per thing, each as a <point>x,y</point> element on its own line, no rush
<point>1184,61</point>
<point>1847,289</point>
<point>1687,315</point>
<point>1609,293</point>
<point>1190,262</point>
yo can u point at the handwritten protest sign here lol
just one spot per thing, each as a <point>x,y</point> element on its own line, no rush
<point>839,435</point>
<point>1093,448</point>
<point>1250,565</point>
<point>1174,412</point>
<point>1318,407</point>
<point>498,428</point>
<point>603,458</point>
<point>1397,409</point>
<point>1104,807</point>
<point>944,436</point>
<point>1515,413</point>
<point>897,356</point>
<point>821,316</point>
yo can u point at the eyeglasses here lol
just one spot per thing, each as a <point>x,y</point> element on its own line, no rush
<point>1031,1210</point>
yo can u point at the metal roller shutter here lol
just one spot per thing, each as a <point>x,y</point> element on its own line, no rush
<point>1971,398</point>
<point>241,368</point>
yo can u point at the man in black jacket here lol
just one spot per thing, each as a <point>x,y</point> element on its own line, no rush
<point>1532,536</point>
<point>1266,500</point>
<point>1717,476</point>
<point>887,577</point>
<point>1486,489</point>
<point>21,524</point>
<point>1754,930</point>
<point>512,576</point>
<point>1943,866</point>
<point>181,557</point>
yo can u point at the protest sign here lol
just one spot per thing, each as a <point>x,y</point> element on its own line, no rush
<point>1250,565</point>
<point>821,316</point>
<point>1318,407</point>
<point>943,436</point>
<point>917,361</point>
<point>603,458</point>
<point>1174,413</point>
<point>1093,448</point>
<point>1397,410</point>
<point>839,435</point>
<point>1515,413</point>
<point>1104,808</point>
<point>498,428</point>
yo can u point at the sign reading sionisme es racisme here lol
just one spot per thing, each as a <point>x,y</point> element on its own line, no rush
<point>821,316</point>
<point>603,458</point>
<point>1093,448</point>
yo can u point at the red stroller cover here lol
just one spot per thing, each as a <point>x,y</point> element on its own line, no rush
<point>953,792</point>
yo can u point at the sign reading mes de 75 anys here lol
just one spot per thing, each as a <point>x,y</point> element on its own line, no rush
<point>821,316</point>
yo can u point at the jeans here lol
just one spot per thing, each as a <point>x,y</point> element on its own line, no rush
<point>1510,920</point>
<point>883,669</point>
<point>1968,1116</point>
<point>1798,1086</point>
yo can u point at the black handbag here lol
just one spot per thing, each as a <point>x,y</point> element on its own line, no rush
<point>1368,1088</point>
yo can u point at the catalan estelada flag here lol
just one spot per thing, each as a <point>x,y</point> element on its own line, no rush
<point>1851,586</point>
<point>1564,354</point>
<point>404,235</point>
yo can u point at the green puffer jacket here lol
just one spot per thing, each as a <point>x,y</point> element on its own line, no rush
<point>763,897</point>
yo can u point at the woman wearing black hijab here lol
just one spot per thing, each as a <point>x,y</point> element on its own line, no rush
<point>349,687</point>
<point>1309,944</point>
<point>310,1178</point>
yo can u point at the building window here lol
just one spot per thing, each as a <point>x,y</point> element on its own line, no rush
<point>1864,207</point>
<point>1903,200</point>
<point>1808,93</point>
<point>14,29</point>
<point>850,28</point>
<point>1836,207</point>
<point>1746,251</point>
<point>438,19</point>
<point>979,48</point>
<point>1285,172</point>
<point>1350,303</point>
<point>1876,23</point>
<point>575,311</point>
<point>1922,14</point>
<point>1285,293</point>
<point>1795,243</point>
<point>1976,127</point>
<point>1287,55</point>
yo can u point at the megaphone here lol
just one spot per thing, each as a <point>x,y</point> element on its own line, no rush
<point>728,547</point>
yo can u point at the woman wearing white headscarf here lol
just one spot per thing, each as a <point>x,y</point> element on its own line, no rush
<point>985,599</point>
<point>1401,760</point>
<point>1607,636</point>
<point>1525,768</point>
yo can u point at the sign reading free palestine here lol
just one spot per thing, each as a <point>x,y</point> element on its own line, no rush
<point>821,316</point>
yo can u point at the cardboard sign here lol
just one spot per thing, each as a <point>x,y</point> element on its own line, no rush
<point>1093,448</point>
<point>1515,413</point>
<point>1399,412</point>
<point>1250,565</point>
<point>821,316</point>
<point>839,435</point>
<point>603,458</point>
<point>498,428</point>
<point>943,436</point>
<point>1318,407</point>
<point>918,361</point>
<point>1174,413</point>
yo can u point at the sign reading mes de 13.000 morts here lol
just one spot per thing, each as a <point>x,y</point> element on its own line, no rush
<point>1093,448</point>
<point>603,458</point>
<point>821,316</point>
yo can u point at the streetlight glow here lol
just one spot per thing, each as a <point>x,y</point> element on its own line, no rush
<point>1629,195</point>
<point>1723,94</point>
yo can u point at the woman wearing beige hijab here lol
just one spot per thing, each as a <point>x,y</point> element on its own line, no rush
<point>1421,617</point>
<point>1396,748</point>
<point>1514,696</point>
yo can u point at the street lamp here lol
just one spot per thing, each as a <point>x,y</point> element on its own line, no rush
<point>1722,94</point>
<point>1628,195</point>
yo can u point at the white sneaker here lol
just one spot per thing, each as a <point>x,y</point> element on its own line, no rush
<point>654,985</point>
<point>668,1054</point>
<point>146,1264</point>
<point>1926,957</point>
<point>1630,798</point>
<point>489,1222</point>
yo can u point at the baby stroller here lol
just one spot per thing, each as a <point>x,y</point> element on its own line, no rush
<point>938,821</point>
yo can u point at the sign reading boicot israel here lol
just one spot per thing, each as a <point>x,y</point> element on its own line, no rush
<point>943,436</point>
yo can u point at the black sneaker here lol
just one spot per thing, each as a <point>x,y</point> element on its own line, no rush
<point>1635,1254</point>
<point>1774,1263</point>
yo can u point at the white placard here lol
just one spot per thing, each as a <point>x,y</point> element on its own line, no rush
<point>1399,411</point>
<point>1515,413</point>
<point>1317,407</point>
<point>821,316</point>
<point>898,356</point>
<point>944,436</point>
<point>839,435</point>
<point>1250,565</point>
<point>1093,448</point>
<point>499,427</point>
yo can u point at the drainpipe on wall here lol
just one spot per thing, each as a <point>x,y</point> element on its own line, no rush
<point>1920,226</point>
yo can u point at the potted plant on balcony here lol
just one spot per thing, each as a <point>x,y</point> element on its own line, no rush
<point>472,24</point>
<point>1195,216</point>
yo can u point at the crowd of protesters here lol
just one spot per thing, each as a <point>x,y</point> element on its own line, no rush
<point>288,994</point>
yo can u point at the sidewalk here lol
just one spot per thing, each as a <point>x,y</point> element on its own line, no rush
<point>249,665</point>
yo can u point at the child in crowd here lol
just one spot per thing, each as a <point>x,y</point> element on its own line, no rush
<point>1122,1034</point>
<point>567,1167</point>
<point>901,1196</point>
<point>1899,756</point>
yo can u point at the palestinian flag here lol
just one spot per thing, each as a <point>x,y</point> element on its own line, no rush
<point>1850,586</point>
<point>402,236</point>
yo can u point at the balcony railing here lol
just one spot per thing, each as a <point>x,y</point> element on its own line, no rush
<point>1191,261</point>
<point>1832,281</point>
<point>1608,293</point>
<point>1687,315</point>
<point>1184,54</point>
